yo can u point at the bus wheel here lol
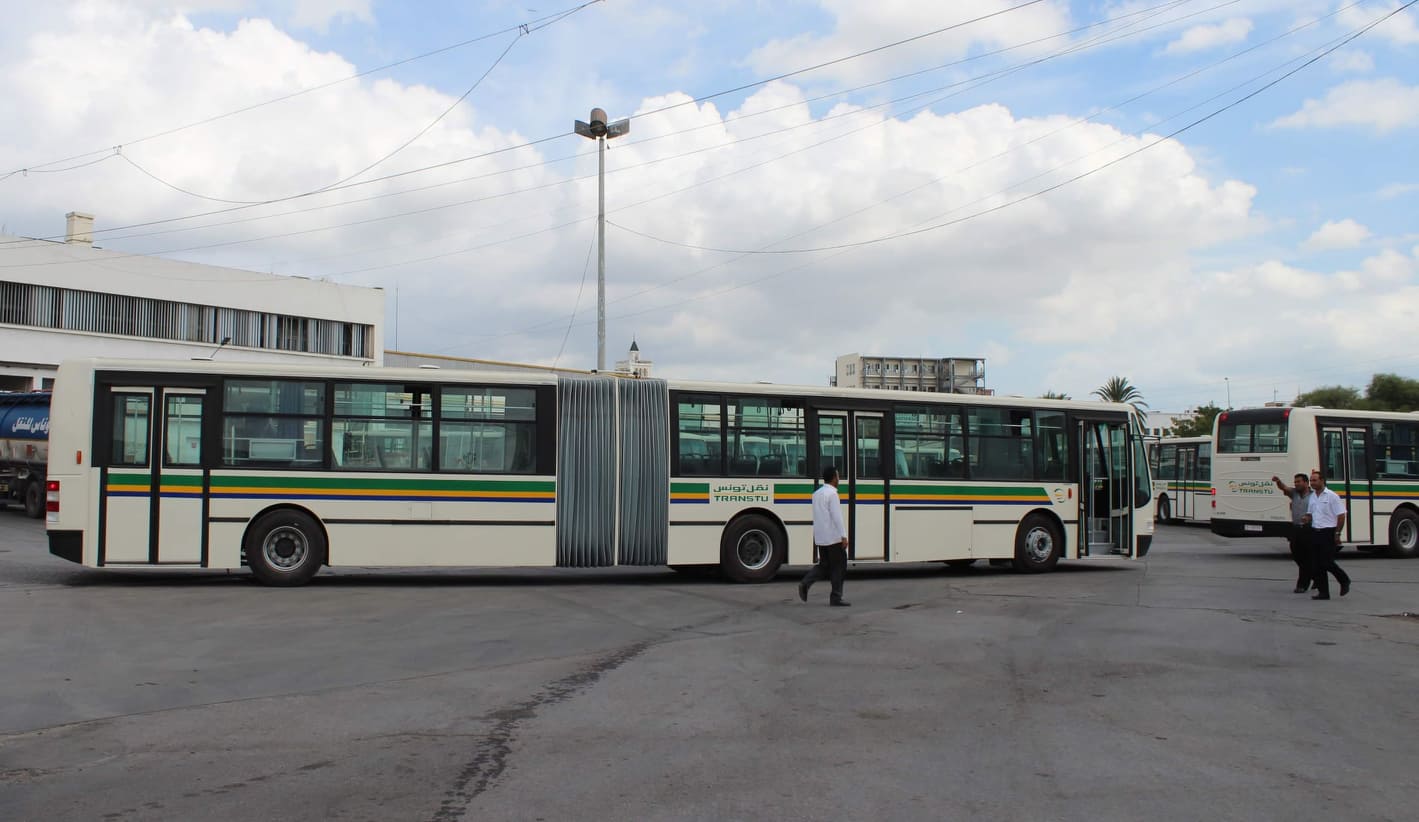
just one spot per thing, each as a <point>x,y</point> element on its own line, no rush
<point>1404,534</point>
<point>34,499</point>
<point>1165,511</point>
<point>284,548</point>
<point>1037,545</point>
<point>751,550</point>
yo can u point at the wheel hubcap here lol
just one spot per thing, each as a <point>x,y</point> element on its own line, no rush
<point>285,548</point>
<point>755,550</point>
<point>1408,534</point>
<point>1039,544</point>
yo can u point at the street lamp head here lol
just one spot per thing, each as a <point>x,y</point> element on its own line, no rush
<point>599,128</point>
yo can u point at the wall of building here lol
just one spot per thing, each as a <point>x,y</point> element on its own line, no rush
<point>202,302</point>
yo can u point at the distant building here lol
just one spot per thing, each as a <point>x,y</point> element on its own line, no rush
<point>633,364</point>
<point>945,375</point>
<point>68,300</point>
<point>1161,423</point>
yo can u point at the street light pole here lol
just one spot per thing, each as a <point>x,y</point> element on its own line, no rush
<point>601,131</point>
<point>1228,380</point>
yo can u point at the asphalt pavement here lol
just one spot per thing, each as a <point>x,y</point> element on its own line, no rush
<point>1192,684</point>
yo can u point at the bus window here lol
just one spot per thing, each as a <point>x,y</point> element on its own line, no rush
<point>700,431</point>
<point>767,437</point>
<point>930,442</point>
<point>273,423</point>
<point>999,443</point>
<point>1051,446</point>
<point>130,430</point>
<point>487,430</point>
<point>382,427</point>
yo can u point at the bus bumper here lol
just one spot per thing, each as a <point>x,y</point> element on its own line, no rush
<point>1145,541</point>
<point>1249,528</point>
<point>67,545</point>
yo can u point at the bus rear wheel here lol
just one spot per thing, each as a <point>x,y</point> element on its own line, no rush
<point>751,550</point>
<point>1037,545</point>
<point>1165,510</point>
<point>1404,534</point>
<point>284,548</point>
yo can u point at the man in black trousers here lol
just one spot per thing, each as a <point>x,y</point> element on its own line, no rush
<point>830,537</point>
<point>1300,536</point>
<point>1326,517</point>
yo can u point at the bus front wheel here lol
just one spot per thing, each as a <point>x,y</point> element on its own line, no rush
<point>751,550</point>
<point>1404,534</point>
<point>1165,510</point>
<point>1037,545</point>
<point>284,548</point>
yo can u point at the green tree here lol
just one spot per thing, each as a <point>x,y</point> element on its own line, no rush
<point>1391,392</point>
<point>1118,389</point>
<point>1198,423</point>
<point>1054,395</point>
<point>1332,396</point>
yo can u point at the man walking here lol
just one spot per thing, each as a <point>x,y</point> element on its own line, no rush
<point>830,538</point>
<point>1300,537</point>
<point>1326,517</point>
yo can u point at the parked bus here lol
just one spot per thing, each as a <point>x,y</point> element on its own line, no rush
<point>1182,479</point>
<point>1370,458</point>
<point>284,469</point>
<point>24,449</point>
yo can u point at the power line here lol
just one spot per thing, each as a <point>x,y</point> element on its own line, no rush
<point>844,248</point>
<point>115,150</point>
<point>532,143</point>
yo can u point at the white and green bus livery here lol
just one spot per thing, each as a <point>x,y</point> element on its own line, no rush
<point>1370,458</point>
<point>1182,479</point>
<point>286,469</point>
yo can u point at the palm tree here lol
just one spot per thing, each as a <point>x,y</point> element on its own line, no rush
<point>1118,389</point>
<point>1054,395</point>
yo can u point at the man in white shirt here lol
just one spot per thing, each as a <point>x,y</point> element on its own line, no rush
<point>830,538</point>
<point>1325,514</point>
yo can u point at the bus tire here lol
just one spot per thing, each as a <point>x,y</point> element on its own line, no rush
<point>1165,510</point>
<point>34,499</point>
<point>284,547</point>
<point>1404,534</point>
<point>1037,545</point>
<point>751,550</point>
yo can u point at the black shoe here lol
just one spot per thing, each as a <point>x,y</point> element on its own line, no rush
<point>1318,596</point>
<point>840,603</point>
<point>1300,590</point>
<point>802,591</point>
<point>1344,588</point>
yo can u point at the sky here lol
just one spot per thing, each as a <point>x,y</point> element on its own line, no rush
<point>1212,198</point>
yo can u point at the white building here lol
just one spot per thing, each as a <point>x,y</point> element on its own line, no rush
<point>946,375</point>
<point>411,359</point>
<point>1160,423</point>
<point>63,300</point>
<point>633,364</point>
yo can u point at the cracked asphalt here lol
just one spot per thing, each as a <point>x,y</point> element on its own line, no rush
<point>1192,684</point>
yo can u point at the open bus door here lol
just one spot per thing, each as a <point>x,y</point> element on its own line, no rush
<point>1106,471</point>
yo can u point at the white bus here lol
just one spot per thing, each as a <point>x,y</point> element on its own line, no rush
<point>284,469</point>
<point>1182,479</point>
<point>1370,458</point>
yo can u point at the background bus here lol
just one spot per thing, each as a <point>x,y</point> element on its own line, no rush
<point>288,468</point>
<point>1182,479</point>
<point>1371,459</point>
<point>24,449</point>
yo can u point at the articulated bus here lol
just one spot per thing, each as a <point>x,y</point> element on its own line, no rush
<point>285,469</point>
<point>1370,459</point>
<point>1182,479</point>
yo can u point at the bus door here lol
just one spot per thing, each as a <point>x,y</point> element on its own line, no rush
<point>852,440</point>
<point>1185,504</point>
<point>1345,457</point>
<point>1105,487</point>
<point>155,499</point>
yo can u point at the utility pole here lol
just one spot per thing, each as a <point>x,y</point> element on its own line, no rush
<point>601,131</point>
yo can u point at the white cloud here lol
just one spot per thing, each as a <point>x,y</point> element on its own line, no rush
<point>1401,29</point>
<point>1384,105</point>
<point>318,14</point>
<point>859,26</point>
<point>1342,234</point>
<point>1353,61</point>
<point>1201,38</point>
<point>1394,190</point>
